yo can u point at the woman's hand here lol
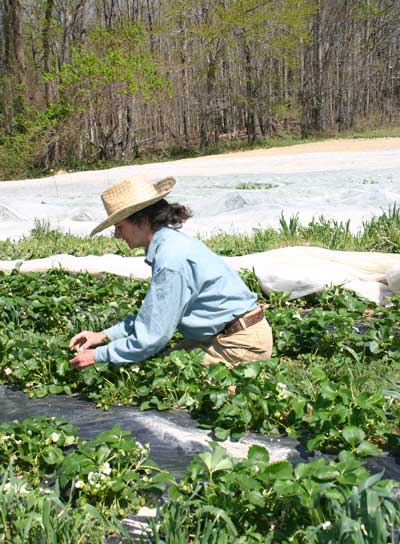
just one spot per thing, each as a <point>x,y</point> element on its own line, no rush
<point>87,339</point>
<point>83,359</point>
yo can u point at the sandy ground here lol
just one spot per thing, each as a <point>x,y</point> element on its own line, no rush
<point>326,146</point>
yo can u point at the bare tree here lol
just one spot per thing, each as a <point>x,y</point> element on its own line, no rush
<point>105,79</point>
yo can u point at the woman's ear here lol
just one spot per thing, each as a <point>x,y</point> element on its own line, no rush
<point>143,222</point>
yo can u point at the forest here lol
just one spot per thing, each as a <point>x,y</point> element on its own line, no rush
<point>89,82</point>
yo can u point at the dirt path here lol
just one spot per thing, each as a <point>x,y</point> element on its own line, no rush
<point>326,146</point>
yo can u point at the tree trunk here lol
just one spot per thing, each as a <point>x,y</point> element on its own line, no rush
<point>46,48</point>
<point>14,63</point>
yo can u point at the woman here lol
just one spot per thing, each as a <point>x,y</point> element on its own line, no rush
<point>192,289</point>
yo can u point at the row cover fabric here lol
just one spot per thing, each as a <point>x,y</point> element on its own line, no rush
<point>227,193</point>
<point>299,270</point>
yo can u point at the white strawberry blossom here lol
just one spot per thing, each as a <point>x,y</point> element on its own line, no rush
<point>106,469</point>
<point>95,479</point>
<point>283,390</point>
<point>54,437</point>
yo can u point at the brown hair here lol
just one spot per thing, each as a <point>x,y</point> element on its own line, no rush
<point>163,214</point>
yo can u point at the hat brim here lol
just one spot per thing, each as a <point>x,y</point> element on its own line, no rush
<point>163,187</point>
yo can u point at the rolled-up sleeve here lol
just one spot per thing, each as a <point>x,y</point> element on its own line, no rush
<point>150,330</point>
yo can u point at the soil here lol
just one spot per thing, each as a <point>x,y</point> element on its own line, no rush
<point>325,146</point>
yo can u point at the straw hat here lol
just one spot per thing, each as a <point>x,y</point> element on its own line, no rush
<point>130,196</point>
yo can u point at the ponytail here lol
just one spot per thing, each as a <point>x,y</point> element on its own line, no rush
<point>163,214</point>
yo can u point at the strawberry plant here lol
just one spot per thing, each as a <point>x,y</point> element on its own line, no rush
<point>112,472</point>
<point>253,500</point>
<point>29,515</point>
<point>36,446</point>
<point>335,365</point>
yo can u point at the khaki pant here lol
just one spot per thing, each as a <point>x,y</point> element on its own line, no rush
<point>251,344</point>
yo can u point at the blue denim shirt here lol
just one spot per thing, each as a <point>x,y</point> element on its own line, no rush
<point>192,289</point>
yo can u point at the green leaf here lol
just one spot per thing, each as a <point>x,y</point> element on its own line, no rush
<point>143,391</point>
<point>251,370</point>
<point>353,435</point>
<point>40,392</point>
<point>318,374</point>
<point>333,494</point>
<point>67,390</point>
<point>328,392</point>
<point>255,497</point>
<point>174,493</point>
<point>218,398</point>
<point>373,346</point>
<point>163,477</point>
<point>221,434</point>
<point>117,485</point>
<point>373,502</point>
<point>315,441</point>
<point>363,401</point>
<point>306,470</point>
<point>53,456</point>
<point>325,472</point>
<point>280,470</point>
<point>258,456</point>
<point>246,482</point>
<point>365,448</point>
<point>216,460</point>
<point>369,482</point>
<point>286,487</point>
<point>298,404</point>
<point>56,389</point>
<point>161,406</point>
<point>218,372</point>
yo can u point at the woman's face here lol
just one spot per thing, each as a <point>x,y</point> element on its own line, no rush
<point>134,234</point>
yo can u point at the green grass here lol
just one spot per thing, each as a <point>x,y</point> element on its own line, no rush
<point>381,233</point>
<point>254,186</point>
<point>389,132</point>
<point>43,241</point>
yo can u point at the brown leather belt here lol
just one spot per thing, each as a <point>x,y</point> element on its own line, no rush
<point>244,321</point>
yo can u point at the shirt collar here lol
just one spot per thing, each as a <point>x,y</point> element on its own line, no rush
<point>153,246</point>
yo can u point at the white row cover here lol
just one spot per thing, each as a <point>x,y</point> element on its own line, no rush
<point>226,193</point>
<point>298,271</point>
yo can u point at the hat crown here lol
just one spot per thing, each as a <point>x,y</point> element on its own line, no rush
<point>127,197</point>
<point>128,193</point>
